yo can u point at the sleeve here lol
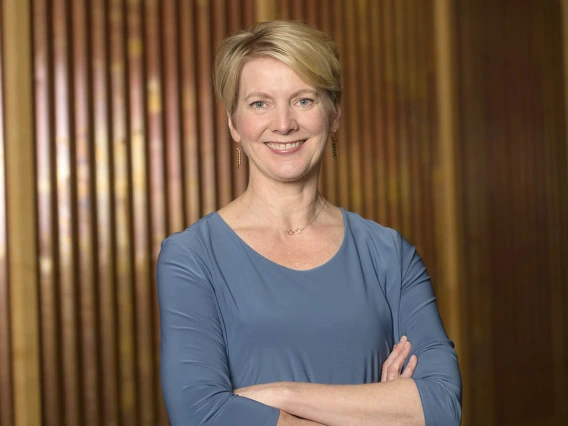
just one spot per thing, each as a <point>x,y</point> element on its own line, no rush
<point>194,372</point>
<point>437,375</point>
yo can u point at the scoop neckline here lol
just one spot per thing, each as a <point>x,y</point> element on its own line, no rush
<point>264,258</point>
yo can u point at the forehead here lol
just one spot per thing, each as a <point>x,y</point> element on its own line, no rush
<point>268,75</point>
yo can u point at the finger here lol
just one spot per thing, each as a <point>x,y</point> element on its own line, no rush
<point>392,356</point>
<point>388,361</point>
<point>395,368</point>
<point>393,364</point>
<point>410,367</point>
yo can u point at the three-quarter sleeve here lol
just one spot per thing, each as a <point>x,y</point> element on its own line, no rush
<point>437,374</point>
<point>195,376</point>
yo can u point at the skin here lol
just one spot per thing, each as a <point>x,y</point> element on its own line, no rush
<point>275,108</point>
<point>369,404</point>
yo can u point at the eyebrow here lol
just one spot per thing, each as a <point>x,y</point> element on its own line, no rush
<point>266,95</point>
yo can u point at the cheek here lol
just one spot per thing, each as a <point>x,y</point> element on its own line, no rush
<point>319,122</point>
<point>249,128</point>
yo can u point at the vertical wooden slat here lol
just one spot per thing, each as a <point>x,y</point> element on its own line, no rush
<point>377,94</point>
<point>154,87</point>
<point>192,166</point>
<point>352,142</point>
<point>6,384</point>
<point>392,177</point>
<point>66,220</point>
<point>322,11</point>
<point>553,261</point>
<point>312,9</point>
<point>171,52</point>
<point>427,137</point>
<point>284,9</point>
<point>121,46</point>
<point>368,190</point>
<point>21,211</point>
<point>560,305</point>
<point>139,389</point>
<point>206,115</point>
<point>223,143</point>
<point>343,147</point>
<point>235,24</point>
<point>564,8</point>
<point>266,10</point>
<point>446,177</point>
<point>413,108</point>
<point>249,12</point>
<point>401,72</point>
<point>46,190</point>
<point>84,163</point>
<point>156,196</point>
<point>298,11</point>
<point>102,97</point>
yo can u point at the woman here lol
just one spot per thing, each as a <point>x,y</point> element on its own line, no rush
<point>280,308</point>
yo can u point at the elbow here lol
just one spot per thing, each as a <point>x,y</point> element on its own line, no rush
<point>191,406</point>
<point>441,401</point>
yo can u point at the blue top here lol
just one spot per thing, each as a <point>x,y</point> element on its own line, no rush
<point>231,318</point>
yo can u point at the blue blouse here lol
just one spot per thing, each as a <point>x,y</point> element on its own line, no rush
<point>231,318</point>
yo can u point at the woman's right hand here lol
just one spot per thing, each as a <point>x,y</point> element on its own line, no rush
<point>392,367</point>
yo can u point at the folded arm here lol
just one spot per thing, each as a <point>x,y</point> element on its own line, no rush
<point>394,401</point>
<point>195,374</point>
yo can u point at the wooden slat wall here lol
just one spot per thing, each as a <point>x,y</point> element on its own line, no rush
<point>6,386</point>
<point>130,146</point>
<point>514,187</point>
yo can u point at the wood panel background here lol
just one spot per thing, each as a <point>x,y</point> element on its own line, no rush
<point>453,131</point>
<point>514,197</point>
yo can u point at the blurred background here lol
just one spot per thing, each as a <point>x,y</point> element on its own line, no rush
<point>454,131</point>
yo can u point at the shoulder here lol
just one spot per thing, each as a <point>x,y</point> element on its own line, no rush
<point>191,244</point>
<point>371,231</point>
<point>384,243</point>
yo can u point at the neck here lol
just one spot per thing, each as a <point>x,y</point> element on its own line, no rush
<point>285,205</point>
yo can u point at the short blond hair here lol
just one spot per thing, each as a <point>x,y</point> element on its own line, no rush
<point>311,53</point>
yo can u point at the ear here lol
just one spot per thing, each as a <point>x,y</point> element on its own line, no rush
<point>334,125</point>
<point>234,133</point>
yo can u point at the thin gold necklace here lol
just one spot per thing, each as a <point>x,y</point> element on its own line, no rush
<point>292,231</point>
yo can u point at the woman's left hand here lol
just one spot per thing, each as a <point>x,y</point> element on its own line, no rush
<point>392,367</point>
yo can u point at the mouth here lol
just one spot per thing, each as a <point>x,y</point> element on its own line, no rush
<point>285,146</point>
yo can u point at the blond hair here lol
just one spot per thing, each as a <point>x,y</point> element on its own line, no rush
<point>309,52</point>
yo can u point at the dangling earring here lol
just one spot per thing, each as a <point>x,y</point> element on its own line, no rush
<point>334,145</point>
<point>238,156</point>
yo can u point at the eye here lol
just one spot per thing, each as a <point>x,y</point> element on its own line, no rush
<point>258,104</point>
<point>305,102</point>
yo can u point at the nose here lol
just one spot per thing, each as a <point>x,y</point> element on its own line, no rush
<point>285,120</point>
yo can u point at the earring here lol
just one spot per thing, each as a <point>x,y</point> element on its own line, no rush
<point>334,145</point>
<point>238,156</point>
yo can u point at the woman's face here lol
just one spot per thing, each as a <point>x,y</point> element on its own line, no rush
<point>282,122</point>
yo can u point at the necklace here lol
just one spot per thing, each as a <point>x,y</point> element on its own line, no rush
<point>293,231</point>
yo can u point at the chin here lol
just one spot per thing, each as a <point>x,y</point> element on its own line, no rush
<point>292,175</point>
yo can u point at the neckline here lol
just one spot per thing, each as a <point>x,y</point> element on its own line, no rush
<point>264,258</point>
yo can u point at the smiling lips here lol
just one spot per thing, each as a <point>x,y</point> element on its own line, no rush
<point>285,147</point>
